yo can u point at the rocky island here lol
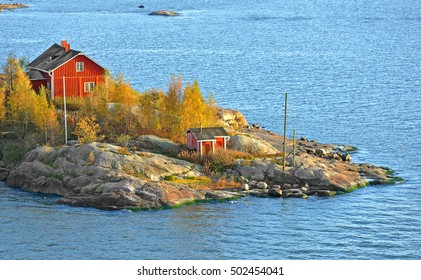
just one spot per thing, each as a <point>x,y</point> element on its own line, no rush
<point>148,174</point>
<point>11,6</point>
<point>165,13</point>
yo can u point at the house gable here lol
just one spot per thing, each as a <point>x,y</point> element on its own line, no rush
<point>60,68</point>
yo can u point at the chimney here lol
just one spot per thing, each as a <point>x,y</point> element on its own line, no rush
<point>65,45</point>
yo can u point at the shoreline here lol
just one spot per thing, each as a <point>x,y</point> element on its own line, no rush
<point>144,176</point>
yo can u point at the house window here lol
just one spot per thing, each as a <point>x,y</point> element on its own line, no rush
<point>89,86</point>
<point>80,66</point>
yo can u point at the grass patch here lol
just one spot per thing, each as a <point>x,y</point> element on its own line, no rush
<point>392,179</point>
<point>191,181</point>
<point>351,149</point>
<point>170,178</point>
<point>395,180</point>
<point>187,203</point>
<point>123,151</point>
<point>354,188</point>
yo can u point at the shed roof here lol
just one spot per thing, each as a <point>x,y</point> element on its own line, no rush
<point>208,133</point>
<point>35,75</point>
<point>52,58</point>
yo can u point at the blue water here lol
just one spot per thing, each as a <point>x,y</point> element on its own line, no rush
<point>353,73</point>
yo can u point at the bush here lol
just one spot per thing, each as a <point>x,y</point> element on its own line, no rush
<point>72,103</point>
<point>87,130</point>
<point>124,139</point>
<point>13,153</point>
<point>214,163</point>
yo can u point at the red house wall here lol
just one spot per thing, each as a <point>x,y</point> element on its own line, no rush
<point>220,143</point>
<point>206,147</point>
<point>36,84</point>
<point>75,80</point>
<point>192,144</point>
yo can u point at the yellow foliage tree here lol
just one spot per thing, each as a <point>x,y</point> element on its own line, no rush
<point>150,104</point>
<point>97,102</point>
<point>9,73</point>
<point>46,120</point>
<point>195,110</point>
<point>170,110</point>
<point>2,104</point>
<point>87,130</point>
<point>22,100</point>
<point>124,98</point>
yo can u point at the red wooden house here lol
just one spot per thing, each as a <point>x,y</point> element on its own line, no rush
<point>80,73</point>
<point>206,140</point>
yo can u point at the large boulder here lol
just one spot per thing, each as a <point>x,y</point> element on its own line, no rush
<point>251,144</point>
<point>258,170</point>
<point>231,119</point>
<point>153,142</point>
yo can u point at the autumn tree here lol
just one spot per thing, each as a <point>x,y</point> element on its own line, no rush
<point>9,75</point>
<point>22,100</point>
<point>125,98</point>
<point>150,103</point>
<point>87,130</point>
<point>196,111</point>
<point>170,111</point>
<point>2,104</point>
<point>97,102</point>
<point>46,120</point>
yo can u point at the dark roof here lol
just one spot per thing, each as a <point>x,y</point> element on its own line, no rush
<point>35,75</point>
<point>208,133</point>
<point>52,58</point>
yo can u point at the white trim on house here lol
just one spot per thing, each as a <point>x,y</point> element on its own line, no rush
<point>66,62</point>
<point>52,84</point>
<point>80,66</point>
<point>88,86</point>
<point>201,141</point>
<point>225,141</point>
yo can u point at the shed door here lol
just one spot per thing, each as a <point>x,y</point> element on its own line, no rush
<point>207,147</point>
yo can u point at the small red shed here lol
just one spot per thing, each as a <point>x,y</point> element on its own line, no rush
<point>60,67</point>
<point>207,139</point>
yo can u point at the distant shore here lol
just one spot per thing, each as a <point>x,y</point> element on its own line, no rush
<point>4,6</point>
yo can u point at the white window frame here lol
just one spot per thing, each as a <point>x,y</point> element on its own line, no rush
<point>88,86</point>
<point>80,66</point>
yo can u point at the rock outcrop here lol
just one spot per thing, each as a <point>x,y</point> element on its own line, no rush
<point>165,13</point>
<point>158,144</point>
<point>232,119</point>
<point>108,177</point>
<point>251,144</point>
<point>311,175</point>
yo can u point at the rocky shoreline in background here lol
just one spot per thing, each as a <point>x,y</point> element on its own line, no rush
<point>145,176</point>
<point>12,6</point>
<point>165,13</point>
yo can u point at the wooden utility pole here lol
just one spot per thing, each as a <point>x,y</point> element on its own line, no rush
<point>285,132</point>
<point>64,107</point>
<point>294,148</point>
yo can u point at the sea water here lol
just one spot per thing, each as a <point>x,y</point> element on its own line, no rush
<point>353,73</point>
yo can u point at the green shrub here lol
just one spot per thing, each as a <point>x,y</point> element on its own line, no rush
<point>13,153</point>
<point>170,178</point>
